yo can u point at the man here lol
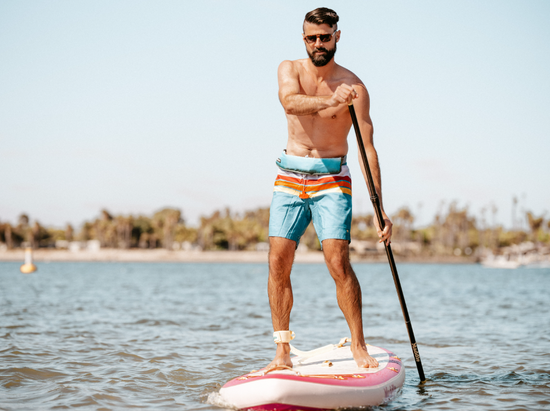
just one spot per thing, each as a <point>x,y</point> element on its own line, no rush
<point>314,182</point>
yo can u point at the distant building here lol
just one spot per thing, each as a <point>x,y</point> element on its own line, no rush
<point>62,244</point>
<point>263,246</point>
<point>93,245</point>
<point>75,246</point>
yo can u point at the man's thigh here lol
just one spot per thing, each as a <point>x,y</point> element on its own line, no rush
<point>289,216</point>
<point>331,215</point>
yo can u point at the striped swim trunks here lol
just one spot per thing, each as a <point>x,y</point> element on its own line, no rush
<point>300,198</point>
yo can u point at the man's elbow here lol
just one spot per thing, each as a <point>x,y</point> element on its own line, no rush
<point>289,110</point>
<point>288,106</point>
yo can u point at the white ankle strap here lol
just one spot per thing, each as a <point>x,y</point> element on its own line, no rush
<point>283,336</point>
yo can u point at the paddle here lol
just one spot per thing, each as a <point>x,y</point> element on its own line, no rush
<point>376,204</point>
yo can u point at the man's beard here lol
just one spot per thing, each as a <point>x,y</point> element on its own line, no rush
<point>321,60</point>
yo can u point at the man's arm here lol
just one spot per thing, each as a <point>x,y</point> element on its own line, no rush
<point>362,109</point>
<point>300,104</point>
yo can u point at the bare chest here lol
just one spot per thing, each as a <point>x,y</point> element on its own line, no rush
<point>312,88</point>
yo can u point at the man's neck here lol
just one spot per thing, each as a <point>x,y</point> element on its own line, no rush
<point>322,72</point>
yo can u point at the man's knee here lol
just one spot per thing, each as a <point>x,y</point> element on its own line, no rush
<point>337,264</point>
<point>336,252</point>
<point>337,258</point>
<point>339,268</point>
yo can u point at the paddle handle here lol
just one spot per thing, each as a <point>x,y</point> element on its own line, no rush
<point>378,211</point>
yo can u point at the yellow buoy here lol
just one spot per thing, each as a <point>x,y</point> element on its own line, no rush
<point>28,267</point>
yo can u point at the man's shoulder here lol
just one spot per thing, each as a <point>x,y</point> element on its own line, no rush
<point>291,69</point>
<point>347,76</point>
<point>294,64</point>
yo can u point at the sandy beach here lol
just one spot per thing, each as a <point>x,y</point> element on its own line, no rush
<point>162,255</point>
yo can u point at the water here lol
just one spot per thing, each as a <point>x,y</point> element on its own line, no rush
<point>116,336</point>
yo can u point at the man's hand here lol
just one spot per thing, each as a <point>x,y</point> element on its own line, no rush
<point>385,236</point>
<point>342,95</point>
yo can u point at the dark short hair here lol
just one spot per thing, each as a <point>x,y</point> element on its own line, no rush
<point>322,15</point>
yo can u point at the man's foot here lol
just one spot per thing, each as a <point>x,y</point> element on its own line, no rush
<point>282,358</point>
<point>362,357</point>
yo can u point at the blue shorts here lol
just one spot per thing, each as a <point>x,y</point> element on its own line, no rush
<point>300,198</point>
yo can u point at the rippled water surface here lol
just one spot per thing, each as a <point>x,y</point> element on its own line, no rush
<point>112,336</point>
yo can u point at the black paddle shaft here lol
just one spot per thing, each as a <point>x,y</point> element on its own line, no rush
<point>376,204</point>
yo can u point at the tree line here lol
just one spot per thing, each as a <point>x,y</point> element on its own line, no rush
<point>453,231</point>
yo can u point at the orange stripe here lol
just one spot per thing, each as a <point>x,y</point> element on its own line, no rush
<point>319,187</point>
<point>340,183</point>
<point>327,187</point>
<point>299,188</point>
<point>296,187</point>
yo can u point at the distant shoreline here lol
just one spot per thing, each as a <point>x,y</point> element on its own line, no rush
<point>162,255</point>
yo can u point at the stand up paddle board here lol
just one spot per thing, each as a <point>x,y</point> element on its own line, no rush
<point>322,379</point>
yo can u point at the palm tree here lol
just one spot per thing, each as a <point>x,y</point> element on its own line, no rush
<point>69,232</point>
<point>143,240</point>
<point>164,222</point>
<point>535,224</point>
<point>8,235</point>
<point>123,227</point>
<point>403,221</point>
<point>362,228</point>
<point>35,235</point>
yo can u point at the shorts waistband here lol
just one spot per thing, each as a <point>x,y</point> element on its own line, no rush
<point>311,165</point>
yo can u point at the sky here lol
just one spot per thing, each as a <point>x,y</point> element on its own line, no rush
<point>134,106</point>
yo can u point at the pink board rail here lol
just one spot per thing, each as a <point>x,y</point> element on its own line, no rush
<point>292,390</point>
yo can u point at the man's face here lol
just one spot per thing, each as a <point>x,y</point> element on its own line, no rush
<point>320,52</point>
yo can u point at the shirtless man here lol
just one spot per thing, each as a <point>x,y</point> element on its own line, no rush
<point>314,182</point>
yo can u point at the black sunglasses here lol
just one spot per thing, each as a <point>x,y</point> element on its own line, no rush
<point>325,38</point>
